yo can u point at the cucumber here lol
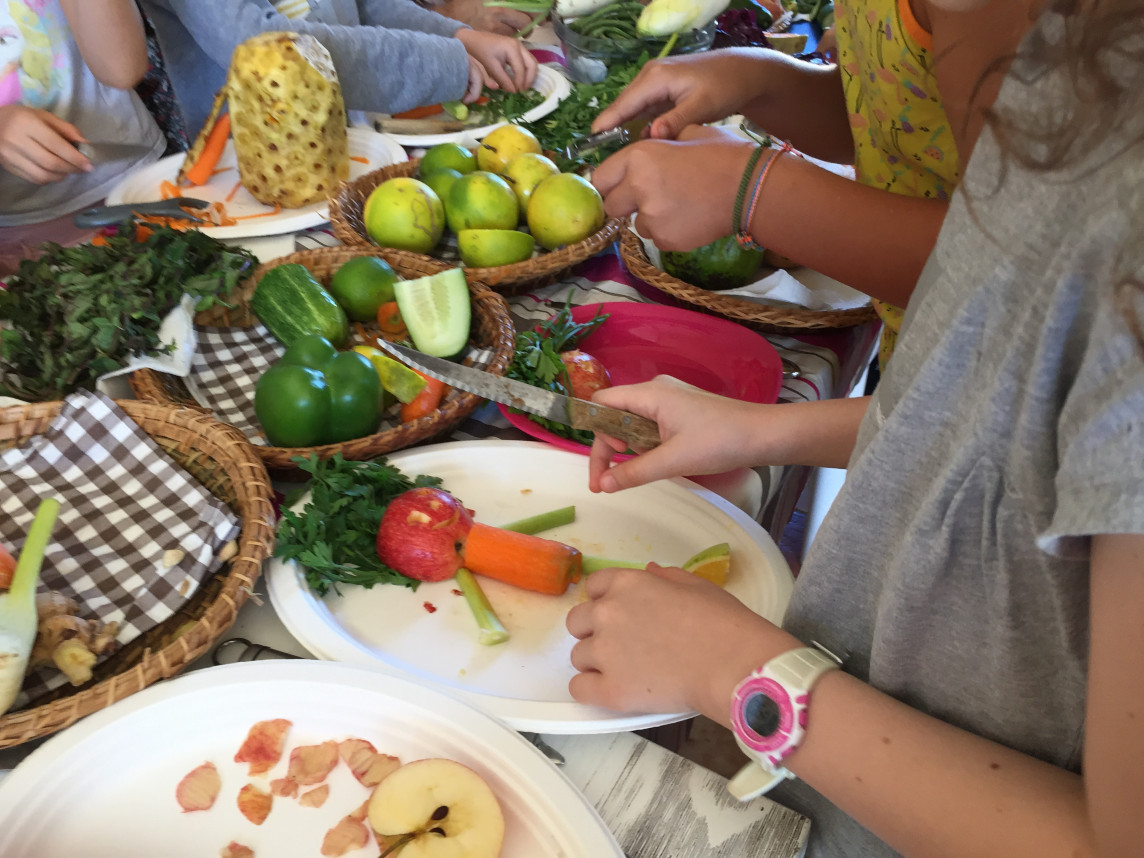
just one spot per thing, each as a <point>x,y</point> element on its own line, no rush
<point>292,304</point>
<point>436,311</point>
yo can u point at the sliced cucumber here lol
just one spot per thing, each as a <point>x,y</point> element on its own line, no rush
<point>437,312</point>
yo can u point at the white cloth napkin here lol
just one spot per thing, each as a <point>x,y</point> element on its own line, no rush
<point>178,328</point>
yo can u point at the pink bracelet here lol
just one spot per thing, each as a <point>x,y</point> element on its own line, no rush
<point>743,236</point>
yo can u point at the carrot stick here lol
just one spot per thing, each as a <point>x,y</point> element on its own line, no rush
<point>200,173</point>
<point>426,402</point>
<point>526,561</point>
<point>420,112</point>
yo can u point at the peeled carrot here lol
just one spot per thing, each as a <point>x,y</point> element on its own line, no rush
<point>425,402</point>
<point>200,173</point>
<point>420,112</point>
<point>521,559</point>
<point>7,568</point>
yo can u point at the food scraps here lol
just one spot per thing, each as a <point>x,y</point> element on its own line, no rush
<point>254,803</point>
<point>199,788</point>
<point>263,745</point>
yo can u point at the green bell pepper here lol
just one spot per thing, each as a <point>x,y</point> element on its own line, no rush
<point>317,395</point>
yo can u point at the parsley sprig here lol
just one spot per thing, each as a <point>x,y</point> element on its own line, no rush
<point>536,360</point>
<point>334,536</point>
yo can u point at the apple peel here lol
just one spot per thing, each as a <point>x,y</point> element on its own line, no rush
<point>199,788</point>
<point>262,747</point>
<point>254,803</point>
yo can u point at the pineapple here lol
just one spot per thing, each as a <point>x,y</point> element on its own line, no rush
<point>287,120</point>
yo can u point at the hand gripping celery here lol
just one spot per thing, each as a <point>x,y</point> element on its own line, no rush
<point>18,605</point>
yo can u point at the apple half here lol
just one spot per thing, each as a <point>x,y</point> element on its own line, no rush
<point>437,808</point>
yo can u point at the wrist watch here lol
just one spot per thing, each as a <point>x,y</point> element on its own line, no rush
<point>768,716</point>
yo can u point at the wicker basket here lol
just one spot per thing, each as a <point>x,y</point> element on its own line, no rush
<point>223,462</point>
<point>347,203</point>
<point>492,329</point>
<point>763,317</point>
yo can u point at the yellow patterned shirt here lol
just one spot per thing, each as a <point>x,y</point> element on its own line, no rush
<point>902,138</point>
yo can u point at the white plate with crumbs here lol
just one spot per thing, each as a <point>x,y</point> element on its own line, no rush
<point>106,787</point>
<point>429,634</point>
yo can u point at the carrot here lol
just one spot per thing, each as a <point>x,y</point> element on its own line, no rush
<point>521,559</point>
<point>143,232</point>
<point>389,319</point>
<point>425,402</point>
<point>169,190</point>
<point>420,112</point>
<point>200,173</point>
<point>7,567</point>
<point>100,241</point>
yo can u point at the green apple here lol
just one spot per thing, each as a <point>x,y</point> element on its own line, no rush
<point>437,808</point>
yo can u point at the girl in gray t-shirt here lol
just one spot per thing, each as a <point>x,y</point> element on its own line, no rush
<point>982,569</point>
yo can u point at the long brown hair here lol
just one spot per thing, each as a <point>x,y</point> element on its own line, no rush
<point>1102,52</point>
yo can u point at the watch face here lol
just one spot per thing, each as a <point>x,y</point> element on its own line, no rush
<point>763,714</point>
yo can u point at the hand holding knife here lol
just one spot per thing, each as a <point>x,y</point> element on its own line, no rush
<point>637,431</point>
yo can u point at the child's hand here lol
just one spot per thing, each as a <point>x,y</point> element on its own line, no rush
<point>701,433</point>
<point>664,640</point>
<point>506,61</point>
<point>39,147</point>
<point>684,191</point>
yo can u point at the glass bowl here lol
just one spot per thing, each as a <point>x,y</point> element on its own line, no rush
<point>589,58</point>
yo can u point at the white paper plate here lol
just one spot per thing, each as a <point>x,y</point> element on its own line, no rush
<point>554,86</point>
<point>525,681</point>
<point>106,786</point>
<point>377,150</point>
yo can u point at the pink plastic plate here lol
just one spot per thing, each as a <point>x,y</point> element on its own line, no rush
<point>641,341</point>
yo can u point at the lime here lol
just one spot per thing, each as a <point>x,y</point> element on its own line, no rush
<point>487,248</point>
<point>441,181</point>
<point>525,172</point>
<point>404,213</point>
<point>361,285</point>
<point>436,311</point>
<point>564,209</point>
<point>395,376</point>
<point>448,156</point>
<point>503,144</point>
<point>481,200</point>
<point>712,563</point>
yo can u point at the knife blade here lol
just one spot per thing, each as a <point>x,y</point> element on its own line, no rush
<point>111,151</point>
<point>637,431</point>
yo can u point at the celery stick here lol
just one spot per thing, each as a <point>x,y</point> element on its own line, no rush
<point>543,521</point>
<point>592,563</point>
<point>491,632</point>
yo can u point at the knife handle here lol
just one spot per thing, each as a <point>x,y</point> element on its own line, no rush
<point>639,432</point>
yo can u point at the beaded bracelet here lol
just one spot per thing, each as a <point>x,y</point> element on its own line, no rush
<point>743,235</point>
<point>742,194</point>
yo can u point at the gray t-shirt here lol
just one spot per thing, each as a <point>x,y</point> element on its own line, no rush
<point>390,55</point>
<point>1008,429</point>
<point>41,67</point>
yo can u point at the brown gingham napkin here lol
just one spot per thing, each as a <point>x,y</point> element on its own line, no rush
<point>136,533</point>
<point>229,361</point>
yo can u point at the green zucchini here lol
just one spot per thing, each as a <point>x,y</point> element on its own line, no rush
<point>292,304</point>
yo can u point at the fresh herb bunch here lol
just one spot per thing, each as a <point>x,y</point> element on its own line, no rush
<point>76,313</point>
<point>505,105</point>
<point>572,118</point>
<point>536,361</point>
<point>335,535</point>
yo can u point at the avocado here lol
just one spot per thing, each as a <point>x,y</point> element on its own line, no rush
<point>722,264</point>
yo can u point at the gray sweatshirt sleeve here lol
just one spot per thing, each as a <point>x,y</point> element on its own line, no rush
<point>380,69</point>
<point>406,15</point>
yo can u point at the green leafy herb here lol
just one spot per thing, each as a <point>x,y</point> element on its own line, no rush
<point>505,105</point>
<point>76,313</point>
<point>536,360</point>
<point>572,118</point>
<point>335,535</point>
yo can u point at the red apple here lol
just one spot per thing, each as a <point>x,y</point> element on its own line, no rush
<point>586,375</point>
<point>422,533</point>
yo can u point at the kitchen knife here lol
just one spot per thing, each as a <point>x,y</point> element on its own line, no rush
<point>638,431</point>
<point>111,151</point>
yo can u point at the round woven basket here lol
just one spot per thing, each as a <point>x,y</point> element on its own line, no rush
<point>764,317</point>
<point>348,201</point>
<point>222,460</point>
<point>492,329</point>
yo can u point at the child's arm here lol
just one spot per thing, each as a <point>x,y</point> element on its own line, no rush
<point>703,433</point>
<point>792,99</point>
<point>110,37</point>
<point>922,785</point>
<point>685,191</point>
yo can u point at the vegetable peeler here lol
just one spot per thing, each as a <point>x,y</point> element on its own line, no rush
<point>623,135</point>
<point>110,215</point>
